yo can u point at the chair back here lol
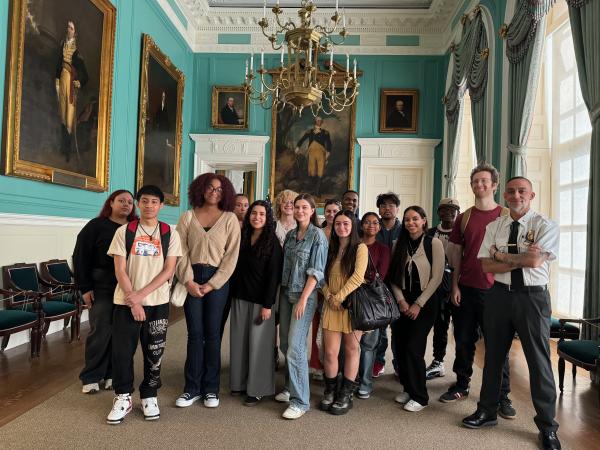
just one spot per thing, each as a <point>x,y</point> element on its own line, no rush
<point>20,277</point>
<point>57,271</point>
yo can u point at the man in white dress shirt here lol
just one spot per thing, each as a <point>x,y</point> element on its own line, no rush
<point>517,249</point>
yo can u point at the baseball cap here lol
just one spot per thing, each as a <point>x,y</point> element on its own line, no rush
<point>449,202</point>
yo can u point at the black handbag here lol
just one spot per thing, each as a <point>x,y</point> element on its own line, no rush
<point>372,305</point>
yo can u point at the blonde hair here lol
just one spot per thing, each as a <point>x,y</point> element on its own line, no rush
<point>283,196</point>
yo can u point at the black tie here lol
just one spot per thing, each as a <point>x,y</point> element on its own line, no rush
<point>516,275</point>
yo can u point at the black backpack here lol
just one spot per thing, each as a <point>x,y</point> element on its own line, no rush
<point>445,287</point>
<point>165,236</point>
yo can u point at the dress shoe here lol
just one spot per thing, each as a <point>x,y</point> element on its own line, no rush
<point>549,440</point>
<point>480,419</point>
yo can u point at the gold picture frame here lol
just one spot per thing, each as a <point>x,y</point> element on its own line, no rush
<point>159,136</point>
<point>226,112</point>
<point>58,92</point>
<point>290,162</point>
<point>399,111</point>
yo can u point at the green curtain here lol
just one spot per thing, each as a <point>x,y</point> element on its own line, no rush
<point>585,17</point>
<point>524,43</point>
<point>469,71</point>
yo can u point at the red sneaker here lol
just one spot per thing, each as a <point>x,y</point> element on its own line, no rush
<point>378,369</point>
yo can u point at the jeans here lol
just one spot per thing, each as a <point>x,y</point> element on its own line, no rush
<point>368,345</point>
<point>203,318</point>
<point>382,346</point>
<point>440,331</point>
<point>292,338</point>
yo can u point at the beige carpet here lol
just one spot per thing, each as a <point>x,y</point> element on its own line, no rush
<point>73,420</point>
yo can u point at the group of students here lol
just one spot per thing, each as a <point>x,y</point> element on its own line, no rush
<point>275,269</point>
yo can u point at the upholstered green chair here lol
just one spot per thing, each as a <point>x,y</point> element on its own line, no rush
<point>57,274</point>
<point>580,353</point>
<point>564,331</point>
<point>18,317</point>
<point>24,277</point>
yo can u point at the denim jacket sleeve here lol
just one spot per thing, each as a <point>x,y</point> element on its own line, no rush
<point>318,257</point>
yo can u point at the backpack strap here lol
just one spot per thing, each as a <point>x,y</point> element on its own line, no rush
<point>130,236</point>
<point>464,221</point>
<point>165,238</point>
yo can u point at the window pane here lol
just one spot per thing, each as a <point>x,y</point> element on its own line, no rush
<point>577,284</point>
<point>566,130</point>
<point>564,293</point>
<point>580,250</point>
<point>566,49</point>
<point>566,97</point>
<point>580,203</point>
<point>582,123</point>
<point>564,207</point>
<point>581,168</point>
<point>565,173</point>
<point>564,250</point>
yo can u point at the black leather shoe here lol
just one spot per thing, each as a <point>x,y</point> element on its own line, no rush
<point>549,440</point>
<point>480,419</point>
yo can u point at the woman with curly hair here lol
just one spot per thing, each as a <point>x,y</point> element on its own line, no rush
<point>210,240</point>
<point>95,277</point>
<point>254,287</point>
<point>284,213</point>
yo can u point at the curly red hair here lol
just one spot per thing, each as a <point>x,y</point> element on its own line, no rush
<point>202,182</point>
<point>106,210</point>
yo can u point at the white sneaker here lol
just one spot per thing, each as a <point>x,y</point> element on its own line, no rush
<point>292,413</point>
<point>211,400</point>
<point>108,384</point>
<point>121,407</point>
<point>413,406</point>
<point>91,388</point>
<point>402,398</point>
<point>283,396</point>
<point>186,399</point>
<point>150,408</point>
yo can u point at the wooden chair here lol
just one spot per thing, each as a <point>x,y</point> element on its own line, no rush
<point>57,274</point>
<point>24,277</point>
<point>580,353</point>
<point>564,331</point>
<point>23,311</point>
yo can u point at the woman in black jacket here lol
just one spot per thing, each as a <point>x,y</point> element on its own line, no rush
<point>253,290</point>
<point>95,278</point>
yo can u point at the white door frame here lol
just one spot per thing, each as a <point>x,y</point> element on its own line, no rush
<point>227,151</point>
<point>401,153</point>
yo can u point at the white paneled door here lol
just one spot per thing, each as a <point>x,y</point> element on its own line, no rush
<point>404,181</point>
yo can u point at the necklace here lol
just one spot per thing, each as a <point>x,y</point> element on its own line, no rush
<point>147,234</point>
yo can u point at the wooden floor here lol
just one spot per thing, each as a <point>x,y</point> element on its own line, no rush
<point>25,383</point>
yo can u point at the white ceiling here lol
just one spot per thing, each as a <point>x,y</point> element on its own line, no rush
<point>350,4</point>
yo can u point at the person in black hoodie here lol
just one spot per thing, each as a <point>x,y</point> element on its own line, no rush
<point>94,273</point>
<point>254,286</point>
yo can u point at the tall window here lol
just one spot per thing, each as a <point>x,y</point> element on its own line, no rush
<point>570,140</point>
<point>466,158</point>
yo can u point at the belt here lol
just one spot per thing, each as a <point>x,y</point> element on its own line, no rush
<point>509,288</point>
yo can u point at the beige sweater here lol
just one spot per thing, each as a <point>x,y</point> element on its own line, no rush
<point>218,247</point>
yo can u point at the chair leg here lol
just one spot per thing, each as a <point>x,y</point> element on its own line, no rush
<point>574,370</point>
<point>66,322</point>
<point>561,374</point>
<point>45,330</point>
<point>5,341</point>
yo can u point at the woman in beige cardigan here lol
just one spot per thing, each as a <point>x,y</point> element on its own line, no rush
<point>210,239</point>
<point>345,271</point>
<point>415,273</point>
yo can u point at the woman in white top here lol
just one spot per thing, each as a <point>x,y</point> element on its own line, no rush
<point>284,213</point>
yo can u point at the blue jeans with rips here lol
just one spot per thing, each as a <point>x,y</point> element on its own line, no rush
<point>368,347</point>
<point>292,337</point>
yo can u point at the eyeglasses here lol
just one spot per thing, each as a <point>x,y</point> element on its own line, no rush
<point>211,189</point>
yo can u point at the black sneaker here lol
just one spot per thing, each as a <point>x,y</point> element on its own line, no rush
<point>454,394</point>
<point>252,401</point>
<point>506,409</point>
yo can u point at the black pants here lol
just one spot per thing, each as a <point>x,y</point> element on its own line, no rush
<point>98,346</point>
<point>410,338</point>
<point>527,313</point>
<point>440,330</point>
<point>152,334</point>
<point>468,320</point>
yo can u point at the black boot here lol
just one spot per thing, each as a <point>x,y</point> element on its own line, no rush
<point>329,394</point>
<point>343,400</point>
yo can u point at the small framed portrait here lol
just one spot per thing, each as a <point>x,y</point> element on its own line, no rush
<point>398,111</point>
<point>160,122</point>
<point>229,108</point>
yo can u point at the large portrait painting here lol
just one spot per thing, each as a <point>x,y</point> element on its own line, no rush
<point>398,111</point>
<point>58,91</point>
<point>160,122</point>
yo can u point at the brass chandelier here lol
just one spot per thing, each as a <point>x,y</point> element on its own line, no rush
<point>298,83</point>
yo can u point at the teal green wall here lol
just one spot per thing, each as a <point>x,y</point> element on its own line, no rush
<point>134,17</point>
<point>425,73</point>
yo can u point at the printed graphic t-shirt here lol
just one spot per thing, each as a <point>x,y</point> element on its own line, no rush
<point>145,262</point>
<point>471,273</point>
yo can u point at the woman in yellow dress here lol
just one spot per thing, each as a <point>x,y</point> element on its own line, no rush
<point>347,262</point>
